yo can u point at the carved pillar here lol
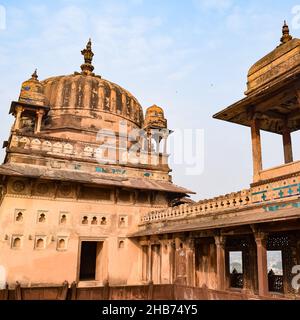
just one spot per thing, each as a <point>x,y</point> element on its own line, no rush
<point>221,269</point>
<point>191,268</point>
<point>180,262</point>
<point>287,145</point>
<point>262,268</point>
<point>256,148</point>
<point>19,111</point>
<point>39,117</point>
<point>149,277</point>
<point>144,245</point>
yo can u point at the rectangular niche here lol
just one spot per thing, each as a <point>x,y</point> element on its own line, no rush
<point>143,197</point>
<point>90,193</point>
<point>125,196</point>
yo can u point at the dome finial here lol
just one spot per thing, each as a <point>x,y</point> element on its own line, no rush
<point>87,67</point>
<point>286,37</point>
<point>35,75</point>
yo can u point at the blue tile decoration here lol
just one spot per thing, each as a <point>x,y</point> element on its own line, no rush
<point>100,170</point>
<point>281,206</point>
<point>274,208</point>
<point>281,194</point>
<point>118,171</point>
<point>147,174</point>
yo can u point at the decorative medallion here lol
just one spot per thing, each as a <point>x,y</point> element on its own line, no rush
<point>42,188</point>
<point>65,190</point>
<point>18,186</point>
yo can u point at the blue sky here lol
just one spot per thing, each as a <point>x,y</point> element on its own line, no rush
<point>190,57</point>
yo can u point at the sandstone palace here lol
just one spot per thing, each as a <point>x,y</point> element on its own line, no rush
<point>82,218</point>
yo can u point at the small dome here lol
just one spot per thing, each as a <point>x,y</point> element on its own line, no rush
<point>32,91</point>
<point>155,117</point>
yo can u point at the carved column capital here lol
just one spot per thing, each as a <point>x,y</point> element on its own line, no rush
<point>220,241</point>
<point>19,109</point>
<point>259,236</point>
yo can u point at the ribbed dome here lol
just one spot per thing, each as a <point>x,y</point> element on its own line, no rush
<point>86,102</point>
<point>90,96</point>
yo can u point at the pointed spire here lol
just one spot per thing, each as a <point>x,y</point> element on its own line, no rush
<point>88,54</point>
<point>286,37</point>
<point>34,76</point>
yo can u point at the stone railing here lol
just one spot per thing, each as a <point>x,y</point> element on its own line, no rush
<point>227,202</point>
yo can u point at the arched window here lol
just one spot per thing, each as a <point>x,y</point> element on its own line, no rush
<point>42,218</point>
<point>85,220</point>
<point>95,221</point>
<point>40,243</point>
<point>63,219</point>
<point>62,244</point>
<point>19,217</point>
<point>16,243</point>
<point>122,222</point>
<point>121,244</point>
<point>103,221</point>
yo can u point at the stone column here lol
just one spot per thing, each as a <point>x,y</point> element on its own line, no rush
<point>262,268</point>
<point>149,263</point>
<point>144,246</point>
<point>180,262</point>
<point>191,268</point>
<point>256,148</point>
<point>287,145</point>
<point>39,117</point>
<point>221,269</point>
<point>19,111</point>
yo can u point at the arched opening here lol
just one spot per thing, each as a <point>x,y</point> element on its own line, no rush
<point>42,218</point>
<point>95,221</point>
<point>103,221</point>
<point>85,220</point>
<point>40,243</point>
<point>63,219</point>
<point>121,244</point>
<point>122,222</point>
<point>19,217</point>
<point>17,243</point>
<point>62,244</point>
